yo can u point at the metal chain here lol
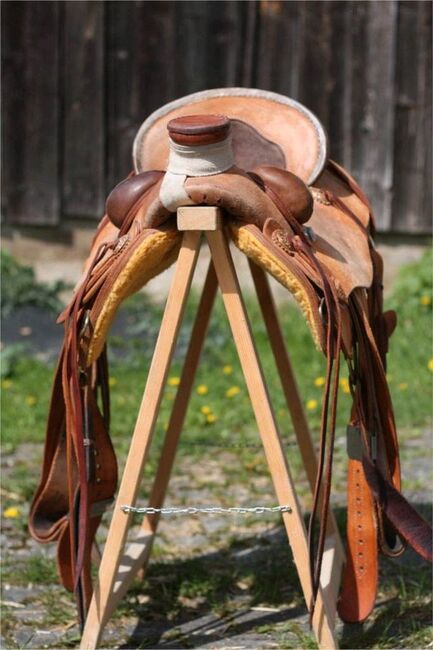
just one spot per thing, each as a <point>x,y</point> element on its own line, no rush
<point>206,510</point>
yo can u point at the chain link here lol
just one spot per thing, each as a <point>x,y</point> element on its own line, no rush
<point>206,510</point>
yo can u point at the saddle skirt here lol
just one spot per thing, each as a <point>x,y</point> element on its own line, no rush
<point>262,158</point>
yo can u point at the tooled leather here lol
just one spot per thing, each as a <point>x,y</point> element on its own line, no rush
<point>340,247</point>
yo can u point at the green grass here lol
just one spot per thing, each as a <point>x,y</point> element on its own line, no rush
<point>26,390</point>
<point>37,569</point>
<point>20,287</point>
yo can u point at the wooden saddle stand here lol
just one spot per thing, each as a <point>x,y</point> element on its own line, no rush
<point>251,167</point>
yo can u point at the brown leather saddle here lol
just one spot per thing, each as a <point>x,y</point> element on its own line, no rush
<point>263,159</point>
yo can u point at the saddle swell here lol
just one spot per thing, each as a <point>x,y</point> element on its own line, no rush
<point>306,222</point>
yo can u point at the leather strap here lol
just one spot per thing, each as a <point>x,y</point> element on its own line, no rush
<point>359,586</point>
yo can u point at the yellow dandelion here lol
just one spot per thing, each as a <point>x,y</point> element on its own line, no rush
<point>7,383</point>
<point>311,404</point>
<point>173,381</point>
<point>112,381</point>
<point>425,300</point>
<point>344,382</point>
<point>30,400</point>
<point>430,364</point>
<point>346,389</point>
<point>227,370</point>
<point>205,410</point>
<point>202,389</point>
<point>234,390</point>
<point>402,386</point>
<point>11,512</point>
<point>211,418</point>
<point>319,381</point>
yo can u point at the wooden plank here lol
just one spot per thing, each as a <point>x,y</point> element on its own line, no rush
<point>83,182</point>
<point>323,617</point>
<point>356,102</point>
<point>340,80</point>
<point>334,556</point>
<point>248,39</point>
<point>203,217</point>
<point>303,52</point>
<point>412,206</point>
<point>279,46</point>
<point>140,40</point>
<point>30,112</point>
<point>128,572</point>
<point>315,80</point>
<point>103,596</point>
<point>209,45</point>
<point>187,45</point>
<point>376,131</point>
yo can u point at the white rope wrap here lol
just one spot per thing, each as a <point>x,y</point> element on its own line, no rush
<point>184,161</point>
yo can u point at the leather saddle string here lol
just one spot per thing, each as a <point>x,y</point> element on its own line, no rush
<point>74,397</point>
<point>327,436</point>
<point>327,427</point>
<point>330,395</point>
<point>355,189</point>
<point>301,244</point>
<point>406,520</point>
<point>378,383</point>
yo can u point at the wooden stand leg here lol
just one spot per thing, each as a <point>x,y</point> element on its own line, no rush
<point>142,436</point>
<point>283,484</point>
<point>137,556</point>
<point>114,581</point>
<point>334,557</point>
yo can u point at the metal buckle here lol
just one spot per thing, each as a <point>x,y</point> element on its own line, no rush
<point>309,233</point>
<point>86,323</point>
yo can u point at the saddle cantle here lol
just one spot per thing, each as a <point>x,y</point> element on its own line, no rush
<point>263,159</point>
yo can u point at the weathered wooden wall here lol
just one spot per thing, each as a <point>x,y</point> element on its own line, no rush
<point>80,77</point>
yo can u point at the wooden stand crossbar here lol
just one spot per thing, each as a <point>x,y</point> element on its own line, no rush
<point>119,566</point>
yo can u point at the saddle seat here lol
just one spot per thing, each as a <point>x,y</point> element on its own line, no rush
<point>268,131</point>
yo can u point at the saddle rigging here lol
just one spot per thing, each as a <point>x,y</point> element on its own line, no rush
<point>262,158</point>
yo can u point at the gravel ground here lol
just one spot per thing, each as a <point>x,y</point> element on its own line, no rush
<point>247,543</point>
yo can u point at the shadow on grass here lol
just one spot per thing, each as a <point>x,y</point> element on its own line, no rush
<point>251,588</point>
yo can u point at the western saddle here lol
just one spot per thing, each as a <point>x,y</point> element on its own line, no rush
<point>262,158</point>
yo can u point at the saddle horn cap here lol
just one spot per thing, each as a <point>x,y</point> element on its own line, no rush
<point>199,129</point>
